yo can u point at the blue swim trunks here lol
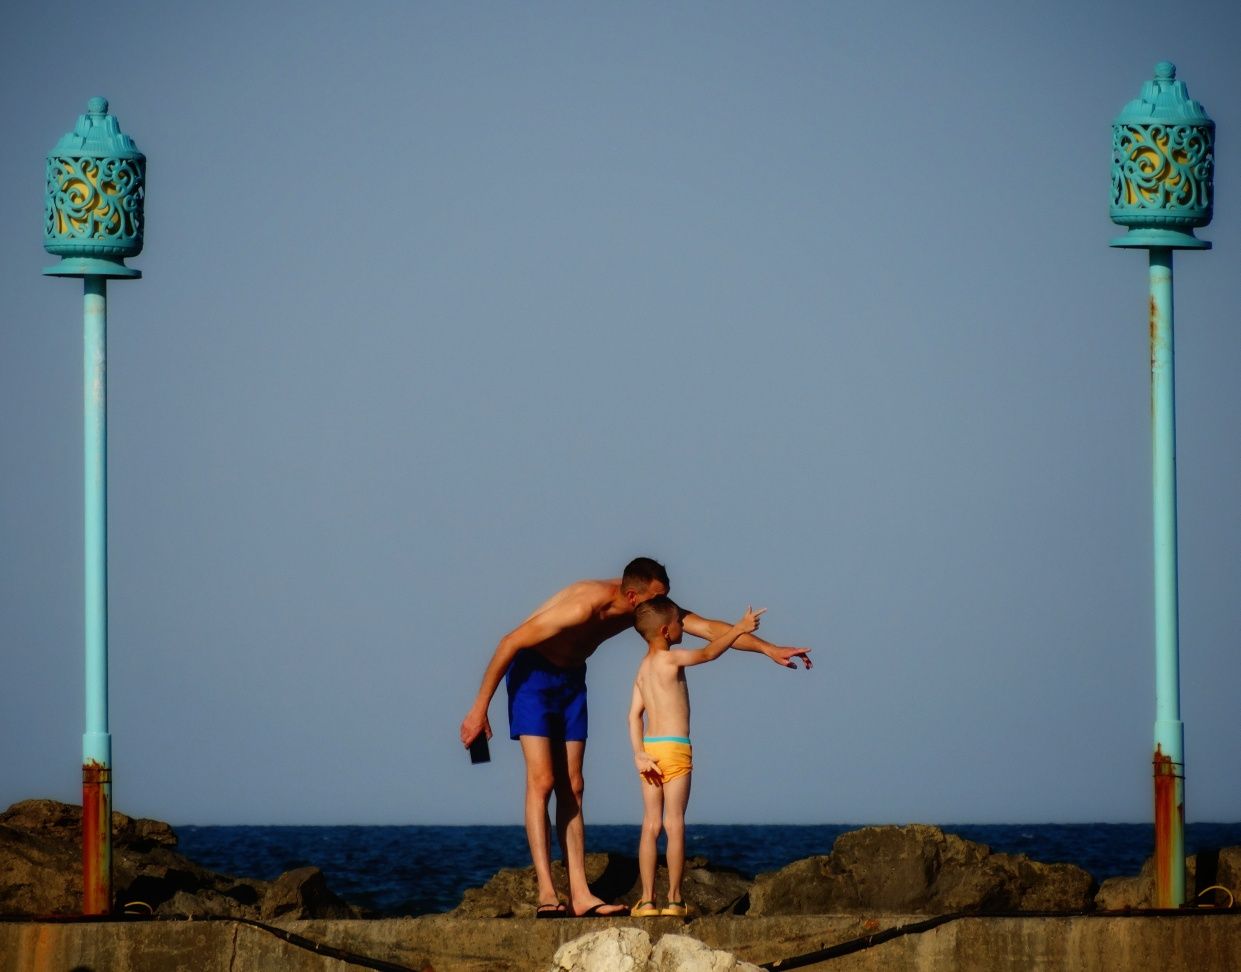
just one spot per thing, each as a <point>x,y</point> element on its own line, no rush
<point>545,699</point>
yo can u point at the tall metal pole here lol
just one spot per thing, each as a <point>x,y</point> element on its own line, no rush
<point>96,740</point>
<point>1163,158</point>
<point>93,220</point>
<point>1169,758</point>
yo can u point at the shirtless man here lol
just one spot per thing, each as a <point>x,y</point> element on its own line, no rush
<point>544,659</point>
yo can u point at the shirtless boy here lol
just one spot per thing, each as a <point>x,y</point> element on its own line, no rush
<point>663,753</point>
<point>545,660</point>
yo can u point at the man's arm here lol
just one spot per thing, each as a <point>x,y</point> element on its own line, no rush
<point>709,629</point>
<point>721,644</point>
<point>529,634</point>
<point>646,765</point>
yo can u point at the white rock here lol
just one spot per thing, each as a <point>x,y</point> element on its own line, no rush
<point>680,953</point>
<point>611,950</point>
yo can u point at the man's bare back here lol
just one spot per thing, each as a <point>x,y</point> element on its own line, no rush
<point>588,616</point>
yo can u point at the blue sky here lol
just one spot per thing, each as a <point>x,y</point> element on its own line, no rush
<point>447,305</point>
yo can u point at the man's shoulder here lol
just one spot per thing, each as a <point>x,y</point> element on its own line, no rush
<point>581,600</point>
<point>596,593</point>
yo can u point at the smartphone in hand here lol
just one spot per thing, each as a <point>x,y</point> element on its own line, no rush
<point>480,752</point>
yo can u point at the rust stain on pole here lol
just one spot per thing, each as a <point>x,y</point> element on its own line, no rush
<point>96,839</point>
<point>1168,819</point>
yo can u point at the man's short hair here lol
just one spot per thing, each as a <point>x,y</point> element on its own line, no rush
<point>650,616</point>
<point>641,572</point>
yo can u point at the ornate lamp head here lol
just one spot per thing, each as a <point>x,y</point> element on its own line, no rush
<point>96,183</point>
<point>1163,158</point>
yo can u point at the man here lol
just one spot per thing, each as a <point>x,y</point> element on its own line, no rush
<point>544,660</point>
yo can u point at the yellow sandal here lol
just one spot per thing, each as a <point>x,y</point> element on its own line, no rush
<point>676,909</point>
<point>645,909</point>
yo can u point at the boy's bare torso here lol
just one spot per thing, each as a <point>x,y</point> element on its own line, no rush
<point>665,695</point>
<point>590,601</point>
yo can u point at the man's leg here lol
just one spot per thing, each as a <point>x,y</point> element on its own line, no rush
<point>676,799</point>
<point>567,763</point>
<point>540,780</point>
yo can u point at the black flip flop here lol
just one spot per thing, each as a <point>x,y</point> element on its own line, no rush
<point>549,910</point>
<point>593,911</point>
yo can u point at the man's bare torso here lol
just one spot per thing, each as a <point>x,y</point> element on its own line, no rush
<point>590,603</point>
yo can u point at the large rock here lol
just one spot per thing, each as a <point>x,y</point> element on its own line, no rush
<point>918,869</point>
<point>41,871</point>
<point>629,950</point>
<point>611,950</point>
<point>1217,872</point>
<point>303,893</point>
<point>708,890</point>
<point>680,953</point>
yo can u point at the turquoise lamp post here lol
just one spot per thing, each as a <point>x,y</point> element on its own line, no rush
<point>93,217</point>
<point>1162,163</point>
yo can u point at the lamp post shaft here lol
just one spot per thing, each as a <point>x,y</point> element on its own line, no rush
<point>96,740</point>
<point>1169,759</point>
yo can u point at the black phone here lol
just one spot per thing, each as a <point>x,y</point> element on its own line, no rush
<point>480,752</point>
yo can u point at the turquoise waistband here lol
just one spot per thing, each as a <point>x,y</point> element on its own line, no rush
<point>680,739</point>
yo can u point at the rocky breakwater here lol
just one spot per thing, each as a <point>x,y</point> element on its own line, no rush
<point>41,872</point>
<point>919,869</point>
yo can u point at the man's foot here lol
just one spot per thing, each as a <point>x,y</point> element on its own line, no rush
<point>645,909</point>
<point>554,909</point>
<point>676,909</point>
<point>603,910</point>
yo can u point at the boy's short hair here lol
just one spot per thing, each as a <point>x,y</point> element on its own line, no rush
<point>650,615</point>
<point>641,572</point>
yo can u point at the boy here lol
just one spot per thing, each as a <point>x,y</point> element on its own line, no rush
<point>663,754</point>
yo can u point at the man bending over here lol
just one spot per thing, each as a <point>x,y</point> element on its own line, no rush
<point>543,661</point>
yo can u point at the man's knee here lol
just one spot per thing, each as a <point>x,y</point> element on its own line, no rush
<point>540,781</point>
<point>571,786</point>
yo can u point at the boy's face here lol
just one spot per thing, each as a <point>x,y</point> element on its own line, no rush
<point>672,631</point>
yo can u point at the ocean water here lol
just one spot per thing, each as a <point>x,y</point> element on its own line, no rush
<point>415,870</point>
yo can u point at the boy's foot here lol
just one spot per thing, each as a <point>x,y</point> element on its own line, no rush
<point>645,909</point>
<point>675,909</point>
<point>554,909</point>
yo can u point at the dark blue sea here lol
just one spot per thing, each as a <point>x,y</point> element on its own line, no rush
<point>418,870</point>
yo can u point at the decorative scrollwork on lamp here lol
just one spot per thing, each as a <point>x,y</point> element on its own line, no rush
<point>1163,160</point>
<point>93,207</point>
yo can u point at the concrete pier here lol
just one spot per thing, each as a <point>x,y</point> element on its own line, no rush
<point>1084,943</point>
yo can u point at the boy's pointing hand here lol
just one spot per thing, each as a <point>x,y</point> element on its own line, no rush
<point>749,620</point>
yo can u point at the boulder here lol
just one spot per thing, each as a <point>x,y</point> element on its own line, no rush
<point>629,950</point>
<point>918,869</point>
<point>707,889</point>
<point>303,893</point>
<point>611,950</point>
<point>680,953</point>
<point>1217,872</point>
<point>41,871</point>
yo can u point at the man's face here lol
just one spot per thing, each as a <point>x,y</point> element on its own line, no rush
<point>653,589</point>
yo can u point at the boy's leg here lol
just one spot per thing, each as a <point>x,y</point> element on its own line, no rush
<point>676,799</point>
<point>537,751</point>
<point>567,761</point>
<point>648,850</point>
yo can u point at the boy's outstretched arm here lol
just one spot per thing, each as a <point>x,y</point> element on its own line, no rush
<point>647,767</point>
<point>721,644</point>
<point>709,629</point>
